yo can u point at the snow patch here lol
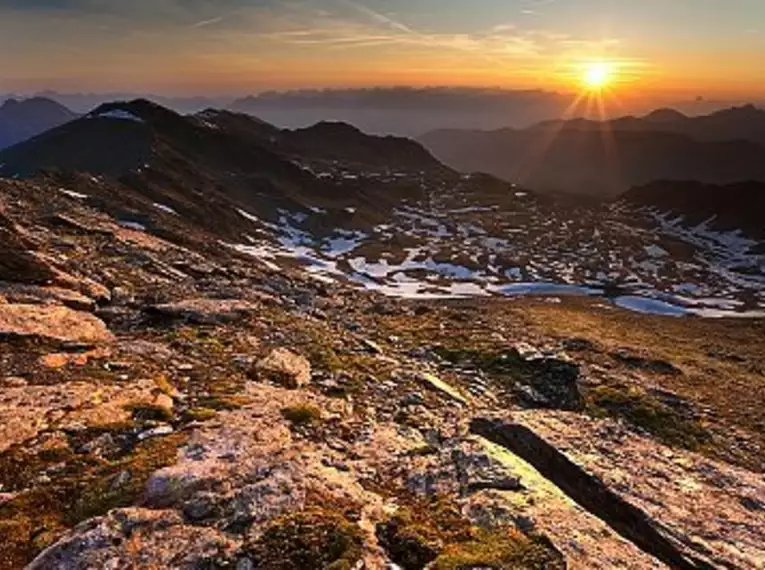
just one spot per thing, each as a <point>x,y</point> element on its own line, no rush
<point>117,114</point>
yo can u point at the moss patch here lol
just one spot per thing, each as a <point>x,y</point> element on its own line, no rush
<point>315,539</point>
<point>150,412</point>
<point>325,358</point>
<point>642,410</point>
<point>302,415</point>
<point>438,536</point>
<point>199,414</point>
<point>87,486</point>
<point>491,362</point>
<point>415,536</point>
<point>500,550</point>
<point>226,402</point>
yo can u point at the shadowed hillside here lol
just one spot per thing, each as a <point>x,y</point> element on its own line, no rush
<point>605,159</point>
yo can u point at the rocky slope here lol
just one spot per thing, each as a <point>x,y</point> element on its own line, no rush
<point>180,393</point>
<point>166,406</point>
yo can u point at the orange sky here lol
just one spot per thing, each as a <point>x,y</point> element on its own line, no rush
<point>684,48</point>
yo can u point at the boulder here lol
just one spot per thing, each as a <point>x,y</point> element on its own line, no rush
<point>204,311</point>
<point>284,368</point>
<point>18,262</point>
<point>52,323</point>
<point>112,541</point>
<point>676,505</point>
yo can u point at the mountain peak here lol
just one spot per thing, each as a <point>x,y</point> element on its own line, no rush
<point>141,110</point>
<point>665,115</point>
<point>334,127</point>
<point>748,110</point>
<point>21,119</point>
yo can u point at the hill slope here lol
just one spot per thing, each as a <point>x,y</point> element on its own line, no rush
<point>590,157</point>
<point>738,206</point>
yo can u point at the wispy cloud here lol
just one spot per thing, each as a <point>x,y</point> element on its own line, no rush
<point>208,22</point>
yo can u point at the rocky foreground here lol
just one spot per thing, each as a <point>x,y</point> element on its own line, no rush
<point>179,406</point>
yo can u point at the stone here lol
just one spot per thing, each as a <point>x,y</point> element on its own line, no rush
<point>7,498</point>
<point>114,541</point>
<point>204,311</point>
<point>548,382</point>
<point>413,399</point>
<point>52,323</point>
<point>200,507</point>
<point>15,382</point>
<point>28,410</point>
<point>670,501</point>
<point>159,431</point>
<point>164,402</point>
<point>61,360</point>
<point>122,296</point>
<point>121,480</point>
<point>283,367</point>
<point>439,385</point>
<point>579,345</point>
<point>17,262</point>
<point>372,346</point>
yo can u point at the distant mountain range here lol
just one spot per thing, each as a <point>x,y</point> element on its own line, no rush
<point>23,119</point>
<point>607,158</point>
<point>405,111</point>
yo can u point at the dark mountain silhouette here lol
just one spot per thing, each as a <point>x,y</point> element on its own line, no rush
<point>199,164</point>
<point>745,123</point>
<point>730,207</point>
<point>592,157</point>
<point>664,116</point>
<point>23,119</point>
<point>330,142</point>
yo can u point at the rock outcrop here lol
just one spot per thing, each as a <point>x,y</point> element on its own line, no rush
<point>52,323</point>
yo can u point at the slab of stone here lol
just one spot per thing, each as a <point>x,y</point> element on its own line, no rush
<point>204,311</point>
<point>53,323</point>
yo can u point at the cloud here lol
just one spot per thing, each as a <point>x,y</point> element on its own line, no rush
<point>209,22</point>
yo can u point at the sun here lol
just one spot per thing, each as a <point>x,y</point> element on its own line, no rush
<point>598,75</point>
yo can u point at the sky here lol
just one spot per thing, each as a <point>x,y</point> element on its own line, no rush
<point>703,48</point>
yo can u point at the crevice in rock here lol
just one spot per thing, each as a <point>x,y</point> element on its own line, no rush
<point>592,494</point>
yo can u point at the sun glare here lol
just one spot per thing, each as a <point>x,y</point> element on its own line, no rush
<point>598,75</point>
